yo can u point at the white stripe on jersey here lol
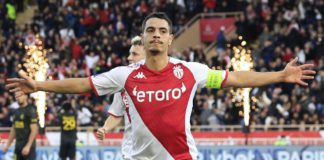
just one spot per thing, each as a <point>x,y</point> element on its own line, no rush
<point>145,145</point>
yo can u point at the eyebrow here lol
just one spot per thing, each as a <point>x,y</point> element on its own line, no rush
<point>151,27</point>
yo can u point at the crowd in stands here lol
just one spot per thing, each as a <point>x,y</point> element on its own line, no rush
<point>91,37</point>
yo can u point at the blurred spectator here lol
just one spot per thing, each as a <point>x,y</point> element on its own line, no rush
<point>4,112</point>
<point>220,41</point>
<point>84,114</point>
<point>90,37</point>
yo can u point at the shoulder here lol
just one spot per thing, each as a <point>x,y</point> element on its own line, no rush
<point>138,64</point>
<point>16,111</point>
<point>176,61</point>
<point>122,70</point>
<point>190,65</point>
<point>31,108</point>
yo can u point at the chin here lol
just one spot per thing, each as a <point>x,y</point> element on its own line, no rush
<point>155,51</point>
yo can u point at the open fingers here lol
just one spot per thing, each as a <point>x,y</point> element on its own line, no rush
<point>12,85</point>
<point>302,83</point>
<point>293,62</point>
<point>15,90</point>
<point>305,66</point>
<point>307,77</point>
<point>12,80</point>
<point>311,72</point>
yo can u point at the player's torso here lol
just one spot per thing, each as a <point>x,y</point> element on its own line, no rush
<point>68,124</point>
<point>22,126</point>
<point>161,104</point>
<point>21,120</point>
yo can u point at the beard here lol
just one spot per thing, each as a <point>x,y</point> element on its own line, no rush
<point>154,51</point>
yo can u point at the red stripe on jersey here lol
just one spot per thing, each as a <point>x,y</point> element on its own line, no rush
<point>124,98</point>
<point>128,116</point>
<point>114,115</point>
<point>161,99</point>
<point>93,87</point>
<point>224,81</point>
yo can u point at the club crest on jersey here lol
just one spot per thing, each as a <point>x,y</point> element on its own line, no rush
<point>178,71</point>
<point>140,75</point>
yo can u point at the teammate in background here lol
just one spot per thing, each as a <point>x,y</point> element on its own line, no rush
<point>160,92</point>
<point>120,106</point>
<point>24,129</point>
<point>68,122</point>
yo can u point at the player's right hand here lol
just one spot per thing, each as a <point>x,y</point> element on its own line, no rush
<point>4,150</point>
<point>101,133</point>
<point>22,85</point>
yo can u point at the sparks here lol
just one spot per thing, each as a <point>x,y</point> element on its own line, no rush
<point>242,61</point>
<point>36,65</point>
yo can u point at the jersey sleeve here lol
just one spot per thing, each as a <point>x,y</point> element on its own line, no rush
<point>32,118</point>
<point>117,108</point>
<point>108,82</point>
<point>207,77</point>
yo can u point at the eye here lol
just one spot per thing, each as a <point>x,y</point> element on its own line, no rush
<point>149,30</point>
<point>163,31</point>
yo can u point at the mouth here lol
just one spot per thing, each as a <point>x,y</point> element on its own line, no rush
<point>156,42</point>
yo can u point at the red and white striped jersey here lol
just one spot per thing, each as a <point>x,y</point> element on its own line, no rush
<point>160,105</point>
<point>119,108</point>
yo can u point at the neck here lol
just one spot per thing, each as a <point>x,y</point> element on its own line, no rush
<point>156,62</point>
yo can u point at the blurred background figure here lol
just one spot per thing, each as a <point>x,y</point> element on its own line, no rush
<point>24,130</point>
<point>94,36</point>
<point>68,122</point>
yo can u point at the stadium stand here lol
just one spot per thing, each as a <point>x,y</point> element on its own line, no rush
<point>92,37</point>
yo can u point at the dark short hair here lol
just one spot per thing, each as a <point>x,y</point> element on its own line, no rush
<point>160,15</point>
<point>67,106</point>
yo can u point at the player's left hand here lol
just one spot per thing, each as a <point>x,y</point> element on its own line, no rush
<point>25,151</point>
<point>297,74</point>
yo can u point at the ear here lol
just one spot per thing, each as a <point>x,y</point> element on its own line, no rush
<point>170,39</point>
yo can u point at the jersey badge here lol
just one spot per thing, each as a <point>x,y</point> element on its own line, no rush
<point>178,71</point>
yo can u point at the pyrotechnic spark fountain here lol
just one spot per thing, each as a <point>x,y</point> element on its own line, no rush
<point>36,65</point>
<point>242,61</point>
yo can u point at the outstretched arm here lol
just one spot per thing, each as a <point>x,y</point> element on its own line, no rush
<point>291,74</point>
<point>28,85</point>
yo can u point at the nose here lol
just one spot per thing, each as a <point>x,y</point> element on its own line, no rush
<point>130,57</point>
<point>156,34</point>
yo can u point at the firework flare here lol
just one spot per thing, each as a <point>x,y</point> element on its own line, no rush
<point>242,61</point>
<point>35,63</point>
